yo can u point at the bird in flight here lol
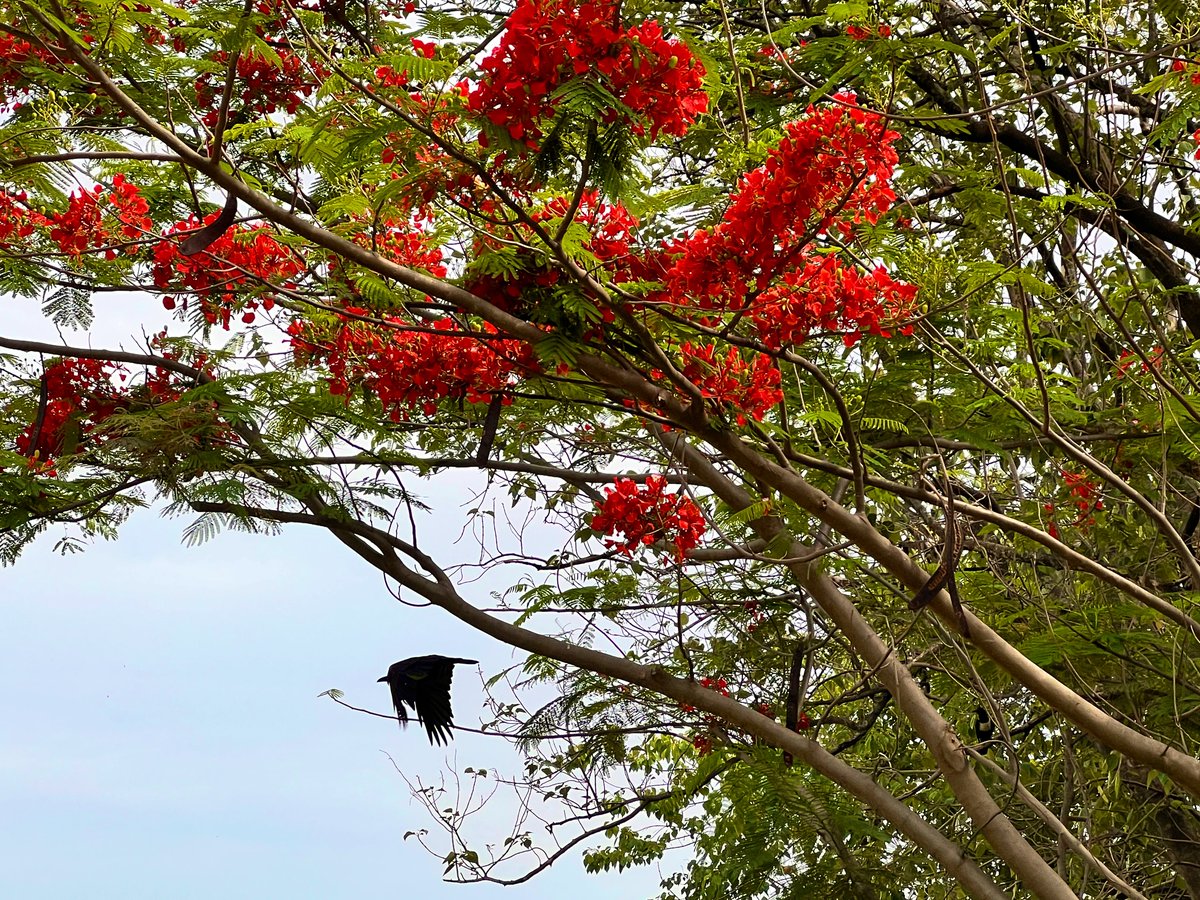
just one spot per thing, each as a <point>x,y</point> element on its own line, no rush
<point>423,683</point>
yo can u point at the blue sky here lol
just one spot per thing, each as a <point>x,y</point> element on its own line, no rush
<point>162,736</point>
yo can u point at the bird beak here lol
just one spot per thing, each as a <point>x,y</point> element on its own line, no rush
<point>384,678</point>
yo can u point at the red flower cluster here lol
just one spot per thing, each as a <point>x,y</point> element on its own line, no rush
<point>132,208</point>
<point>15,55</point>
<point>219,277</point>
<point>80,395</point>
<point>720,685</point>
<point>81,227</point>
<point>436,175</point>
<point>20,60</point>
<point>610,227</point>
<point>1128,359</point>
<point>832,170</point>
<point>151,33</point>
<point>405,244</point>
<point>427,49</point>
<point>265,86</point>
<point>17,220</point>
<point>401,243</point>
<point>862,33</point>
<point>550,42</point>
<point>1182,66</point>
<point>1084,495</point>
<point>835,165</point>
<point>751,388</point>
<point>757,616</point>
<point>166,385</point>
<point>825,295</point>
<point>703,742</point>
<point>663,82</point>
<point>389,77</point>
<point>644,514</point>
<point>405,369</point>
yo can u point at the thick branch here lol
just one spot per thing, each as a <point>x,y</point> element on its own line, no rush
<point>935,731</point>
<point>1026,143</point>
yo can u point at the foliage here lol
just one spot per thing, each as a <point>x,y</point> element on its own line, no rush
<point>767,311</point>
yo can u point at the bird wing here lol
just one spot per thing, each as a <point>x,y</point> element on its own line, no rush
<point>433,699</point>
<point>423,683</point>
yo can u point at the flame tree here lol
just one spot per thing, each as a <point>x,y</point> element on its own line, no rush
<point>845,352</point>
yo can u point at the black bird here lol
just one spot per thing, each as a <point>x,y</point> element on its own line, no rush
<point>423,683</point>
<point>985,728</point>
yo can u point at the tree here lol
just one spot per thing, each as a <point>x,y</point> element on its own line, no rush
<point>767,311</point>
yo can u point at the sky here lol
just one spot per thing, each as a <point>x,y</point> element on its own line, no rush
<point>162,736</point>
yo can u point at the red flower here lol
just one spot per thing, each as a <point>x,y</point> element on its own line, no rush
<point>1084,495</point>
<point>79,229</point>
<point>823,294</point>
<point>720,685</point>
<point>406,369</point>
<point>389,77</point>
<point>644,514</point>
<point>610,227</point>
<point>224,276</point>
<point>15,70</point>
<point>751,388</point>
<point>80,395</point>
<point>83,393</point>
<point>85,226</point>
<point>547,43</point>
<point>17,220</point>
<point>1128,359</point>
<point>832,170</point>
<point>131,208</point>
<point>266,85</point>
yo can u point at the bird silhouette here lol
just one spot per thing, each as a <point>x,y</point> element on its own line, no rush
<point>985,728</point>
<point>423,683</point>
